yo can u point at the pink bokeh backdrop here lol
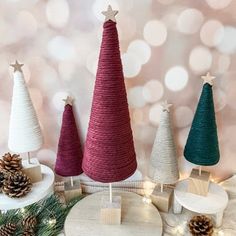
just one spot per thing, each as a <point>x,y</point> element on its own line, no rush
<point>166,45</point>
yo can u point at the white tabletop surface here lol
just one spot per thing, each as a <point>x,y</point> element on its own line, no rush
<point>138,218</point>
<point>39,191</point>
<point>215,201</point>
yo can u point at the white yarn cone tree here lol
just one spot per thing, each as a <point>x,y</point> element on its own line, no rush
<point>24,129</point>
<point>163,156</point>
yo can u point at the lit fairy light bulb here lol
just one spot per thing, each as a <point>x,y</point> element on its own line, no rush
<point>137,116</point>
<point>150,89</point>
<point>135,97</point>
<point>154,113</point>
<point>176,78</point>
<point>127,27</point>
<point>223,63</point>
<point>166,2</point>
<point>147,200</point>
<point>27,22</point>
<point>220,99</point>
<point>61,48</point>
<point>216,4</point>
<point>180,229</point>
<point>52,222</point>
<point>182,136</point>
<point>57,12</point>
<point>23,210</point>
<point>212,33</point>
<point>228,43</point>
<point>141,49</point>
<point>189,21</point>
<point>200,59</point>
<point>155,32</point>
<point>183,116</point>
<point>148,188</point>
<point>131,64</point>
<point>92,61</point>
<point>46,156</point>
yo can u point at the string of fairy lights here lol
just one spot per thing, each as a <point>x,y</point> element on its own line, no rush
<point>165,45</point>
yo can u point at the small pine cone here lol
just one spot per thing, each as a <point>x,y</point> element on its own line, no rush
<point>2,177</point>
<point>7,229</point>
<point>10,163</point>
<point>201,226</point>
<point>29,222</point>
<point>17,185</point>
<point>28,232</point>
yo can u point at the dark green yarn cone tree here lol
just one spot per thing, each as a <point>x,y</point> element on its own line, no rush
<point>202,144</point>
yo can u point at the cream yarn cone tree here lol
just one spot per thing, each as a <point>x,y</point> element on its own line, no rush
<point>163,156</point>
<point>24,130</point>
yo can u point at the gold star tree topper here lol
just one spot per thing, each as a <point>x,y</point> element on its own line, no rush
<point>208,78</point>
<point>17,66</point>
<point>110,14</point>
<point>166,106</point>
<point>68,101</point>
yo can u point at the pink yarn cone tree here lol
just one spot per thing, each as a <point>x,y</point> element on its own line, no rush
<point>69,154</point>
<point>109,154</point>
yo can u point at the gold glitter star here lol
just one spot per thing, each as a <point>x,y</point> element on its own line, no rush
<point>208,78</point>
<point>166,106</point>
<point>110,14</point>
<point>17,66</point>
<point>68,100</point>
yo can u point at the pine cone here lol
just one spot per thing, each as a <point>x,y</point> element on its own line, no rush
<point>17,185</point>
<point>28,232</point>
<point>7,229</point>
<point>29,222</point>
<point>10,163</point>
<point>201,226</point>
<point>2,177</point>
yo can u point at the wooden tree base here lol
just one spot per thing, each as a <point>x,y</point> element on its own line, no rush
<point>32,170</point>
<point>72,191</point>
<point>162,200</point>
<point>111,211</point>
<point>199,184</point>
<point>138,218</point>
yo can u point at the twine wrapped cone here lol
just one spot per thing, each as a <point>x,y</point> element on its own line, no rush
<point>202,144</point>
<point>24,130</point>
<point>163,156</point>
<point>69,154</point>
<point>109,154</point>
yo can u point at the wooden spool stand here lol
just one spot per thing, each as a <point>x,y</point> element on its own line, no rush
<point>162,198</point>
<point>111,211</point>
<point>198,182</point>
<point>32,169</point>
<point>72,189</point>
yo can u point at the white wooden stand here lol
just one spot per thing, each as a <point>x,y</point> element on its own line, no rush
<point>32,170</point>
<point>138,218</point>
<point>111,211</point>
<point>199,184</point>
<point>38,192</point>
<point>72,191</point>
<point>213,204</point>
<point>162,200</point>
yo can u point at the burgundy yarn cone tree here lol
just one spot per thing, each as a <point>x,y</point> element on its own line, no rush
<point>69,154</point>
<point>109,154</point>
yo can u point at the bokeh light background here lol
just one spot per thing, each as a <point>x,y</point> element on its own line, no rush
<point>166,46</point>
